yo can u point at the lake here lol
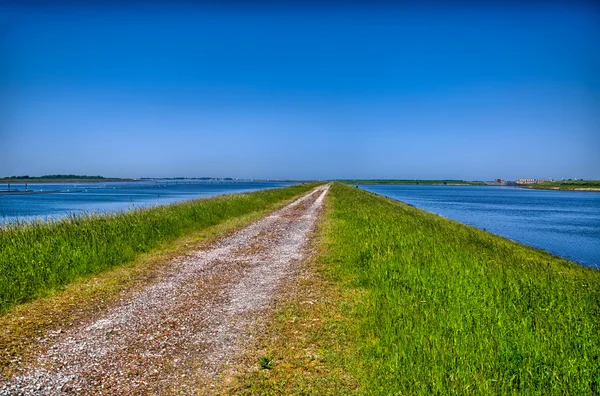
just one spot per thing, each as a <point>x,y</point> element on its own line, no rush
<point>565,223</point>
<point>112,197</point>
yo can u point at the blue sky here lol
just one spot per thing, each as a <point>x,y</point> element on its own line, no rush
<point>444,90</point>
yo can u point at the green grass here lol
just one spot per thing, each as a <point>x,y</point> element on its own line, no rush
<point>442,308</point>
<point>266,363</point>
<point>392,181</point>
<point>38,258</point>
<point>567,184</point>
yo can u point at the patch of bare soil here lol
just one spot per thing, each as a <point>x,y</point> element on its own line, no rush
<point>186,327</point>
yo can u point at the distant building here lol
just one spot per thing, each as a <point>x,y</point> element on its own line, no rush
<point>525,181</point>
<point>545,180</point>
<point>499,181</point>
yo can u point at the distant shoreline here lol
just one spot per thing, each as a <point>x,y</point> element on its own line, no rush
<point>566,185</point>
<point>40,181</point>
<point>584,186</point>
<point>414,182</point>
<point>554,188</point>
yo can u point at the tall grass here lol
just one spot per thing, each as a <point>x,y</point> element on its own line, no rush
<point>450,309</point>
<point>38,257</point>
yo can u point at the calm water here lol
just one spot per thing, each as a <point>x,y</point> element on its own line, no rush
<point>564,223</point>
<point>111,197</point>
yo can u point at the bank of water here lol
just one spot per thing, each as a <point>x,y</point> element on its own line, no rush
<point>66,198</point>
<point>565,223</point>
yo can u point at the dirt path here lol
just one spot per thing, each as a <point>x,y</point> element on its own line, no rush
<point>188,326</point>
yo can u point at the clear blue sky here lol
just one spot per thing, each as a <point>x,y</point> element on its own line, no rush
<point>443,90</point>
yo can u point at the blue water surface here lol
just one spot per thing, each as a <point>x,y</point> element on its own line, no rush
<point>112,197</point>
<point>565,223</point>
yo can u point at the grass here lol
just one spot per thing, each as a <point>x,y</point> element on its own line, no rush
<point>306,337</point>
<point>266,363</point>
<point>567,185</point>
<point>392,181</point>
<point>22,327</point>
<point>400,301</point>
<point>448,308</point>
<point>407,302</point>
<point>38,258</point>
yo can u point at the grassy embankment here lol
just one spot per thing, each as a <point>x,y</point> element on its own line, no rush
<point>41,257</point>
<point>567,185</point>
<point>412,303</point>
<point>432,182</point>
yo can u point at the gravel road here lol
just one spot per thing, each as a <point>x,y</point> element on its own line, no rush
<point>185,328</point>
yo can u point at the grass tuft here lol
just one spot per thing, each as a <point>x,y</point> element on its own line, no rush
<point>266,363</point>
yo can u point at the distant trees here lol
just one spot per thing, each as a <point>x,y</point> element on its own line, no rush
<point>55,177</point>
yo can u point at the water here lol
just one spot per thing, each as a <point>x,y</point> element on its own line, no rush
<point>565,223</point>
<point>112,197</point>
